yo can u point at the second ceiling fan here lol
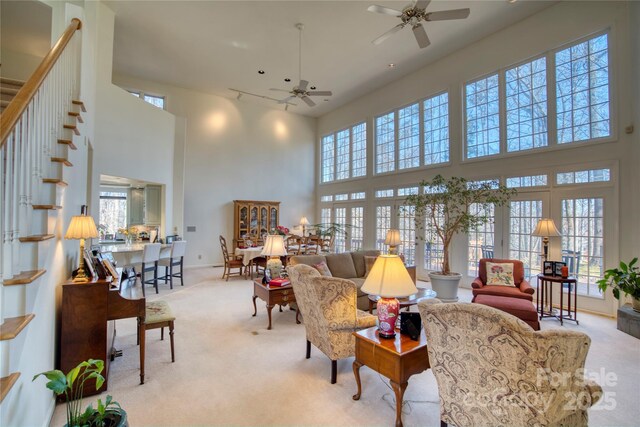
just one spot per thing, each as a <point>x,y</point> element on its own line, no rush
<point>413,15</point>
<point>300,90</point>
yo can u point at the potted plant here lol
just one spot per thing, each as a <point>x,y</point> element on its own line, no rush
<point>106,414</point>
<point>443,209</point>
<point>626,278</point>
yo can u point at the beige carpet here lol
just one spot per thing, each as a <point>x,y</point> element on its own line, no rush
<point>231,370</point>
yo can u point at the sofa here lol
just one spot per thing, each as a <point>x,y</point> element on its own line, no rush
<point>346,265</point>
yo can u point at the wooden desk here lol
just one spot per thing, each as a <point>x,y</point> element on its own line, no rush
<point>396,359</point>
<point>87,323</point>
<point>544,297</point>
<point>273,296</point>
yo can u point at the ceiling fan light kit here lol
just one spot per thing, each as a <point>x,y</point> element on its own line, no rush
<point>413,15</point>
<point>300,90</point>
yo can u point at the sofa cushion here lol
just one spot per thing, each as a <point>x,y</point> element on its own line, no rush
<point>309,260</point>
<point>500,274</point>
<point>358,261</point>
<point>368,264</point>
<point>323,269</point>
<point>341,265</point>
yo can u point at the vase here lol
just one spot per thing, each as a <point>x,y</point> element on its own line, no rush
<point>445,286</point>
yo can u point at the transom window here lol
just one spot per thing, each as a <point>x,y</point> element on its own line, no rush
<point>344,154</point>
<point>583,177</point>
<point>157,101</point>
<point>526,181</point>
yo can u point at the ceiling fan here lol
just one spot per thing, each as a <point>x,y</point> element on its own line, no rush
<point>300,90</point>
<point>412,15</point>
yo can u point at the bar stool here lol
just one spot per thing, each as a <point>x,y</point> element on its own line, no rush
<point>150,257</point>
<point>176,258</point>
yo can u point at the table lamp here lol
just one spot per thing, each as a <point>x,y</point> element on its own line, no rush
<point>274,249</point>
<point>546,228</point>
<point>393,240</point>
<point>389,279</point>
<point>81,227</point>
<point>304,222</point>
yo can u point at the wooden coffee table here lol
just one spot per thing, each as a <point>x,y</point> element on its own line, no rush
<point>275,295</point>
<point>396,359</point>
<point>407,302</point>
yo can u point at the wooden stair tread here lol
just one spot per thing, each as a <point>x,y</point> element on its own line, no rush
<point>80,103</point>
<point>47,207</point>
<point>6,383</point>
<point>56,181</point>
<point>8,90</point>
<point>14,325</point>
<point>9,81</point>
<point>76,115</point>
<point>62,160</point>
<point>37,237</point>
<point>69,143</point>
<point>24,278</point>
<point>73,128</point>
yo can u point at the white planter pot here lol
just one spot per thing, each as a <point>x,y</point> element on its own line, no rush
<point>446,286</point>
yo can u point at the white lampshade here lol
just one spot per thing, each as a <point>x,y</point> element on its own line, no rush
<point>274,246</point>
<point>304,221</point>
<point>392,238</point>
<point>389,278</point>
<point>546,228</point>
<point>81,227</point>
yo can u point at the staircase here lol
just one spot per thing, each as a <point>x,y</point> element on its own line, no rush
<point>40,120</point>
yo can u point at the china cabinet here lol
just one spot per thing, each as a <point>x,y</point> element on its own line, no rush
<point>253,218</point>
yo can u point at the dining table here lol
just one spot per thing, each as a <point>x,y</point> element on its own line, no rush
<point>248,254</point>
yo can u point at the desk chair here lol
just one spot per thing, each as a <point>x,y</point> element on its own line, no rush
<point>158,314</point>
<point>150,257</point>
<point>176,258</point>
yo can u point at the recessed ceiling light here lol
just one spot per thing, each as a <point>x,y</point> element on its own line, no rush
<point>512,1</point>
<point>287,80</point>
<point>313,88</point>
<point>391,65</point>
<point>260,71</point>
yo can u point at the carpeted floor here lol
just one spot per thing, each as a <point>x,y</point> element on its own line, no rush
<point>231,370</point>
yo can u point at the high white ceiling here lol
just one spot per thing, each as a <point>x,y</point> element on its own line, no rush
<point>211,46</point>
<point>25,26</point>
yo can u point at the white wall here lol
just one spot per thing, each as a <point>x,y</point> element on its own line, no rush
<point>634,18</point>
<point>236,150</point>
<point>547,30</point>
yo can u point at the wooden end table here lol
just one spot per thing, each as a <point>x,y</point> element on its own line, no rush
<point>396,359</point>
<point>544,297</point>
<point>407,302</point>
<point>274,295</point>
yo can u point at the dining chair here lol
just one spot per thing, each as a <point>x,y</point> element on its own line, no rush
<point>175,259</point>
<point>230,261</point>
<point>150,258</point>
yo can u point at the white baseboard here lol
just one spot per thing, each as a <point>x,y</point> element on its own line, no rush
<point>203,265</point>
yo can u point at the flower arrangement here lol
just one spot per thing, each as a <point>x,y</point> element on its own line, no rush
<point>281,230</point>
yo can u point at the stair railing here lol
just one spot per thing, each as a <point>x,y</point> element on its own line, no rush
<point>29,130</point>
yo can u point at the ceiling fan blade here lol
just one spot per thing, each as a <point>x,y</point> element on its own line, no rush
<point>279,90</point>
<point>286,100</point>
<point>320,93</point>
<point>303,85</point>
<point>421,36</point>
<point>422,4</point>
<point>389,33</point>
<point>384,10</point>
<point>444,15</point>
<point>308,100</point>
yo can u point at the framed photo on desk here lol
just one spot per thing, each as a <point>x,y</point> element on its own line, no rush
<point>557,268</point>
<point>547,268</point>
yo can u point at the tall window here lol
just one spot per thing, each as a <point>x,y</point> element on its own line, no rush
<point>383,224</point>
<point>583,241</point>
<point>328,158</point>
<point>436,129</point>
<point>385,147</point>
<point>483,117</point>
<point>409,137</point>
<point>407,227</point>
<point>357,228</point>
<point>344,154</point>
<point>325,216</point>
<point>524,216</point>
<point>340,219</point>
<point>481,240</point>
<point>526,105</point>
<point>582,91</point>
<point>113,211</point>
<point>433,247</point>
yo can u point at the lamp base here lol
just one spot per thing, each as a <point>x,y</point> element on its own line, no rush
<point>80,279</point>
<point>388,309</point>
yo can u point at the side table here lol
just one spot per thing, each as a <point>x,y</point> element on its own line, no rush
<point>396,359</point>
<point>275,295</point>
<point>544,297</point>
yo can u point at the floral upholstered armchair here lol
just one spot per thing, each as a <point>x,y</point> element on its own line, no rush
<point>329,311</point>
<point>494,370</point>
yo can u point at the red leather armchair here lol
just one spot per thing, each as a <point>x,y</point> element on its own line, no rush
<point>522,289</point>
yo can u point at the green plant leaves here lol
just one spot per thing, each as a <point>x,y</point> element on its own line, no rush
<point>57,381</point>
